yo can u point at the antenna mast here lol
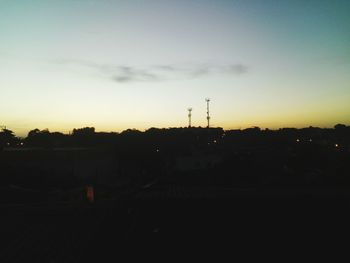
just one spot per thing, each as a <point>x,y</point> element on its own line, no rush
<point>189,117</point>
<point>208,116</point>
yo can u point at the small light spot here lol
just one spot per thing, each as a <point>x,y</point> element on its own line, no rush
<point>298,140</point>
<point>310,140</point>
<point>336,145</point>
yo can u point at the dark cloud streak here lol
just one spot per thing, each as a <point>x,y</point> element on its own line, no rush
<point>126,74</point>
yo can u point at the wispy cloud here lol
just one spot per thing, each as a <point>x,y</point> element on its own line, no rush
<point>126,73</point>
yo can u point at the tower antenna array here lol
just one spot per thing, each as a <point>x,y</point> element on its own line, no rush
<point>189,117</point>
<point>208,116</point>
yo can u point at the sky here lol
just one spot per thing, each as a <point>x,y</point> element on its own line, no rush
<point>116,64</point>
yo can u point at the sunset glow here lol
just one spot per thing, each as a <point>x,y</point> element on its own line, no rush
<point>139,64</point>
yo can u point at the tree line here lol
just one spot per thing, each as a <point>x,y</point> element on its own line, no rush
<point>88,137</point>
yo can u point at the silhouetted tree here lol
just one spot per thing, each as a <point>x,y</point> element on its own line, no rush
<point>86,131</point>
<point>7,137</point>
<point>39,138</point>
<point>84,136</point>
<point>33,133</point>
<point>340,126</point>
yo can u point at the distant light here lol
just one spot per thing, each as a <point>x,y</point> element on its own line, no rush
<point>21,143</point>
<point>336,145</point>
<point>310,140</point>
<point>214,141</point>
<point>157,150</point>
<point>90,194</point>
<point>8,144</point>
<point>298,140</point>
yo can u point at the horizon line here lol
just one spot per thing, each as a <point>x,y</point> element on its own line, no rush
<point>181,127</point>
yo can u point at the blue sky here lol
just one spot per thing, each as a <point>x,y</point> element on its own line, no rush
<point>139,64</point>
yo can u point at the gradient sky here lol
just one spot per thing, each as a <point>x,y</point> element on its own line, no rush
<point>138,64</point>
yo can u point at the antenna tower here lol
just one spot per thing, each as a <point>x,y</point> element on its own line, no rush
<point>208,116</point>
<point>189,117</point>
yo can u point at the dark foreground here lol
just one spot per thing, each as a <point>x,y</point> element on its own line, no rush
<point>203,221</point>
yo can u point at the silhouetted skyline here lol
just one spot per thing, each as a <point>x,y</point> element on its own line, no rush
<point>150,127</point>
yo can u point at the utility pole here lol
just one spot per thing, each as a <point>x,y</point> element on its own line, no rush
<point>189,117</point>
